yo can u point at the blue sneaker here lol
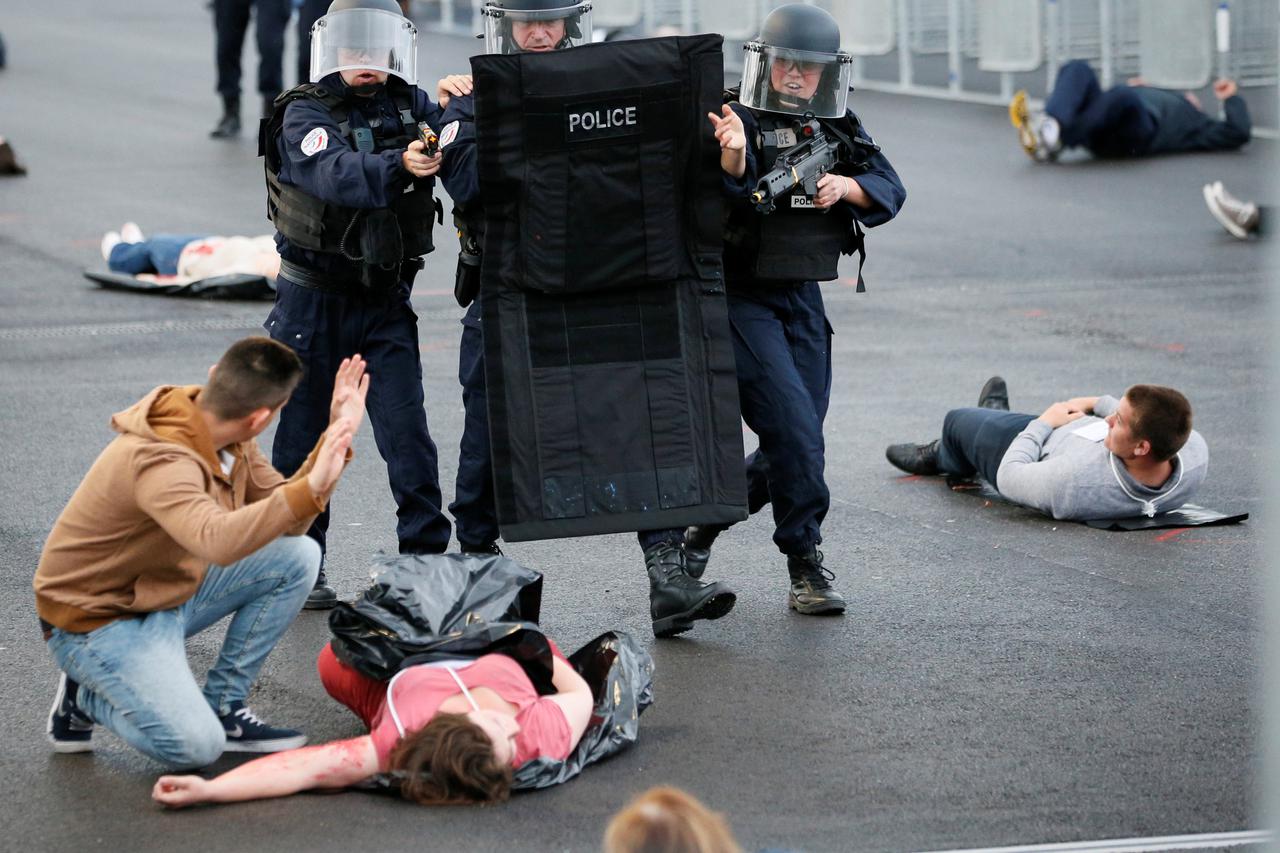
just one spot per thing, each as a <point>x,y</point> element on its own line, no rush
<point>69,729</point>
<point>246,733</point>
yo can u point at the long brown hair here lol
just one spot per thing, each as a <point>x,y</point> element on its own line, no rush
<point>450,760</point>
<point>667,820</point>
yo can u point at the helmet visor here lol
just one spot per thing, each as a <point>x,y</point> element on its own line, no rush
<point>800,82</point>
<point>536,30</point>
<point>365,39</point>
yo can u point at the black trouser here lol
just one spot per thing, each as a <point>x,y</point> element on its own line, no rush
<point>231,21</point>
<point>324,328</point>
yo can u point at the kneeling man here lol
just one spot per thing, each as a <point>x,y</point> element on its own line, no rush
<point>1085,458</point>
<point>180,522</point>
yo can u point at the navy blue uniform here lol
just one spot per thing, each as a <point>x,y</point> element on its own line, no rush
<point>325,327</point>
<point>231,21</point>
<point>1130,121</point>
<point>782,344</point>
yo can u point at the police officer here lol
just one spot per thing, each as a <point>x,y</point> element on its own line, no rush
<point>795,81</point>
<point>349,189</point>
<point>676,599</point>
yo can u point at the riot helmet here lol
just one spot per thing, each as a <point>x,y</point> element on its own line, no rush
<point>523,26</point>
<point>796,65</point>
<point>364,34</point>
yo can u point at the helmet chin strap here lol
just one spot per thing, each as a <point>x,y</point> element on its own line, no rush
<point>367,90</point>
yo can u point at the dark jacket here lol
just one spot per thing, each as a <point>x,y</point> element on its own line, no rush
<point>1180,126</point>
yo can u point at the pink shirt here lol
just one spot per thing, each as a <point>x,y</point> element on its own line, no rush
<point>419,690</point>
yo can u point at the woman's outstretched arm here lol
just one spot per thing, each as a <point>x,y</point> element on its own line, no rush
<point>331,765</point>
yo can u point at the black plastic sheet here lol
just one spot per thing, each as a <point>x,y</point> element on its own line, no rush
<point>433,607</point>
<point>235,286</point>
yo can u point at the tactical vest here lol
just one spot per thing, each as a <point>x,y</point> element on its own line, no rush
<point>797,241</point>
<point>320,226</point>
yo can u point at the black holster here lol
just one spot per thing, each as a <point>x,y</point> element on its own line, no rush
<point>466,282</point>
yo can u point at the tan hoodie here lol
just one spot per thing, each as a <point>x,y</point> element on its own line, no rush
<point>156,509</point>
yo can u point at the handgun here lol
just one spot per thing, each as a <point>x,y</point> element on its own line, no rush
<point>430,140</point>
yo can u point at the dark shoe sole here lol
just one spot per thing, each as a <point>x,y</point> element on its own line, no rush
<point>321,602</point>
<point>994,395</point>
<point>713,608</point>
<point>825,608</point>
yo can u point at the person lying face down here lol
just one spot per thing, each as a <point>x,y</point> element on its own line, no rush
<point>1082,459</point>
<point>454,731</point>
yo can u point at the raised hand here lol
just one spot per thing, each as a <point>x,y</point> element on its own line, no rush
<point>331,458</point>
<point>350,387</point>
<point>453,84</point>
<point>728,129</point>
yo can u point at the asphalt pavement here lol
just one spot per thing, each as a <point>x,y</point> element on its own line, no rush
<point>999,678</point>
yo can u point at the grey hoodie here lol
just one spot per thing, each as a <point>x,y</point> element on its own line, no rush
<point>1072,477</point>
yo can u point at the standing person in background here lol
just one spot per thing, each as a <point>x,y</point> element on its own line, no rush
<point>231,21</point>
<point>795,86</point>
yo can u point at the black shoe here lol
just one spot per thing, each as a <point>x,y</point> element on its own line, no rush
<point>811,590</point>
<point>675,599</point>
<point>322,596</point>
<point>697,548</point>
<point>490,549</point>
<point>69,729</point>
<point>229,125</point>
<point>994,395</point>
<point>914,458</point>
<point>246,733</point>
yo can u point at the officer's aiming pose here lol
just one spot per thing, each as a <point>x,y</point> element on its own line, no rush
<point>676,599</point>
<point>781,240</point>
<point>349,190</point>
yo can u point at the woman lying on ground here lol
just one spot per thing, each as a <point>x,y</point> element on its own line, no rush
<point>455,730</point>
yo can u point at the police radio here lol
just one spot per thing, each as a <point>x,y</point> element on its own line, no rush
<point>430,140</point>
<point>801,165</point>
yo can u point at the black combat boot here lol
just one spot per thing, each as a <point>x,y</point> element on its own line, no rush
<point>994,395</point>
<point>697,548</point>
<point>675,599</point>
<point>229,125</point>
<point>486,550</point>
<point>811,590</point>
<point>322,596</point>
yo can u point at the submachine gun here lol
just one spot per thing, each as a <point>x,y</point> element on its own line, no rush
<point>803,164</point>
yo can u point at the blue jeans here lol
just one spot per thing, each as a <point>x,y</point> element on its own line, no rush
<point>133,673</point>
<point>157,254</point>
<point>1114,123</point>
<point>974,441</point>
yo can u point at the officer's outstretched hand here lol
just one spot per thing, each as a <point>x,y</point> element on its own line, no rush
<point>418,164</point>
<point>454,84</point>
<point>728,128</point>
<point>350,387</point>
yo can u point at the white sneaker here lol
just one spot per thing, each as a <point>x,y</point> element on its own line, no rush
<point>1038,132</point>
<point>109,241</point>
<point>1240,218</point>
<point>131,233</point>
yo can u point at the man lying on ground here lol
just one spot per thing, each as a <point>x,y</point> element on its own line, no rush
<point>1085,458</point>
<point>180,522</point>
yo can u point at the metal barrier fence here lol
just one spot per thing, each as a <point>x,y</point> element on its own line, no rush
<point>981,50</point>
